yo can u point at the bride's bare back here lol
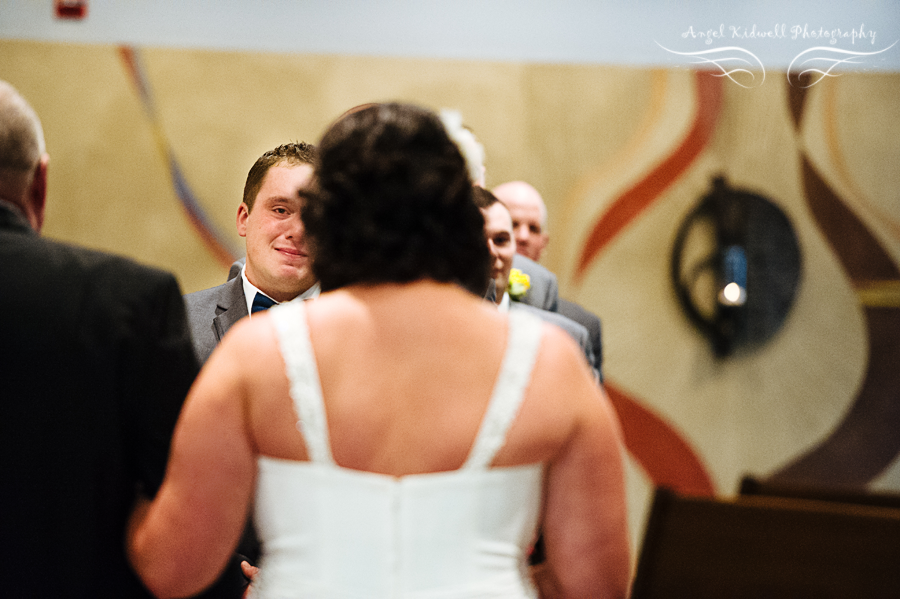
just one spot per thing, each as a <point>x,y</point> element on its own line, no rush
<point>406,374</point>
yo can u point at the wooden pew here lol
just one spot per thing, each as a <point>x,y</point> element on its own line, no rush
<point>756,486</point>
<point>767,548</point>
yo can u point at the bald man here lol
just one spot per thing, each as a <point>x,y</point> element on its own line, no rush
<point>529,216</point>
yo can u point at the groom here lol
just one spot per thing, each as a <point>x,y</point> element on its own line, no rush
<point>278,266</point>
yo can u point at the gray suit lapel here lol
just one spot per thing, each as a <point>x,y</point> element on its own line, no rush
<point>232,306</point>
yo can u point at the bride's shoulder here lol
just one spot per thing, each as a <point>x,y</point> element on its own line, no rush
<point>249,340</point>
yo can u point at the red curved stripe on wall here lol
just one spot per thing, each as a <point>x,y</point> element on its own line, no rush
<point>126,53</point>
<point>223,255</point>
<point>662,452</point>
<point>215,242</point>
<point>647,190</point>
<point>667,459</point>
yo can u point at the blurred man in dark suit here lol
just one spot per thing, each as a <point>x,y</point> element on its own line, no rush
<point>95,362</point>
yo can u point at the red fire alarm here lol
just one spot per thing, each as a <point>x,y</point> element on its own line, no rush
<point>71,9</point>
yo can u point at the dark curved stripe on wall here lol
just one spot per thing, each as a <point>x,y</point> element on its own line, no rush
<point>631,203</point>
<point>666,457</point>
<point>197,216</point>
<point>797,95</point>
<point>860,254</point>
<point>868,439</point>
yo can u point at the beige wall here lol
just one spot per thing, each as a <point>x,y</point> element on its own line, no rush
<point>580,134</point>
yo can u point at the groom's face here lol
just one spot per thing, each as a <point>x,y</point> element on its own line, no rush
<point>278,262</point>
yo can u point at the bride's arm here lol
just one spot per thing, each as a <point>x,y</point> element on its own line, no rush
<point>181,542</point>
<point>585,522</point>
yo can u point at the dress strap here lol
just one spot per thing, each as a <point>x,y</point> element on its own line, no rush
<point>523,341</point>
<point>306,389</point>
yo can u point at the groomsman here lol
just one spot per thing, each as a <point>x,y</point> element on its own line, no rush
<point>529,219</point>
<point>278,266</point>
<point>529,216</point>
<point>499,235</point>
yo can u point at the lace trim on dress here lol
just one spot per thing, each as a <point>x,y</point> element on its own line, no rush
<point>523,341</point>
<point>306,390</point>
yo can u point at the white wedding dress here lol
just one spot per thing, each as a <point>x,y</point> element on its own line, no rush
<point>333,532</point>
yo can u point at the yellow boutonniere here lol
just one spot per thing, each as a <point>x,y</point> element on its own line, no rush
<point>519,284</point>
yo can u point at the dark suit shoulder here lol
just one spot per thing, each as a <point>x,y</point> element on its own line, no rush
<point>59,260</point>
<point>93,290</point>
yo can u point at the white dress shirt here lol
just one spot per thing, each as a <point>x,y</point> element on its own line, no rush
<point>250,291</point>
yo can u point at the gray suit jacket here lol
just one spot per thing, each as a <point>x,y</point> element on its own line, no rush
<point>591,322</point>
<point>212,312</point>
<point>544,291</point>
<point>575,330</point>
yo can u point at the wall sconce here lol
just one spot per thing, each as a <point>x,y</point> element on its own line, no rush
<point>735,267</point>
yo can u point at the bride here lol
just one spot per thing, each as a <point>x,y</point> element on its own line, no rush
<point>396,437</point>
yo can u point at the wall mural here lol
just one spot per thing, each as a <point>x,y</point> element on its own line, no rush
<point>663,453</point>
<point>867,440</point>
<point>150,147</point>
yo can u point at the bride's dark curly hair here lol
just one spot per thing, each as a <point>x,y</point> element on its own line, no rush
<point>392,203</point>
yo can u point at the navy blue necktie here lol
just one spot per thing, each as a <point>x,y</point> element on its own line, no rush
<point>261,302</point>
